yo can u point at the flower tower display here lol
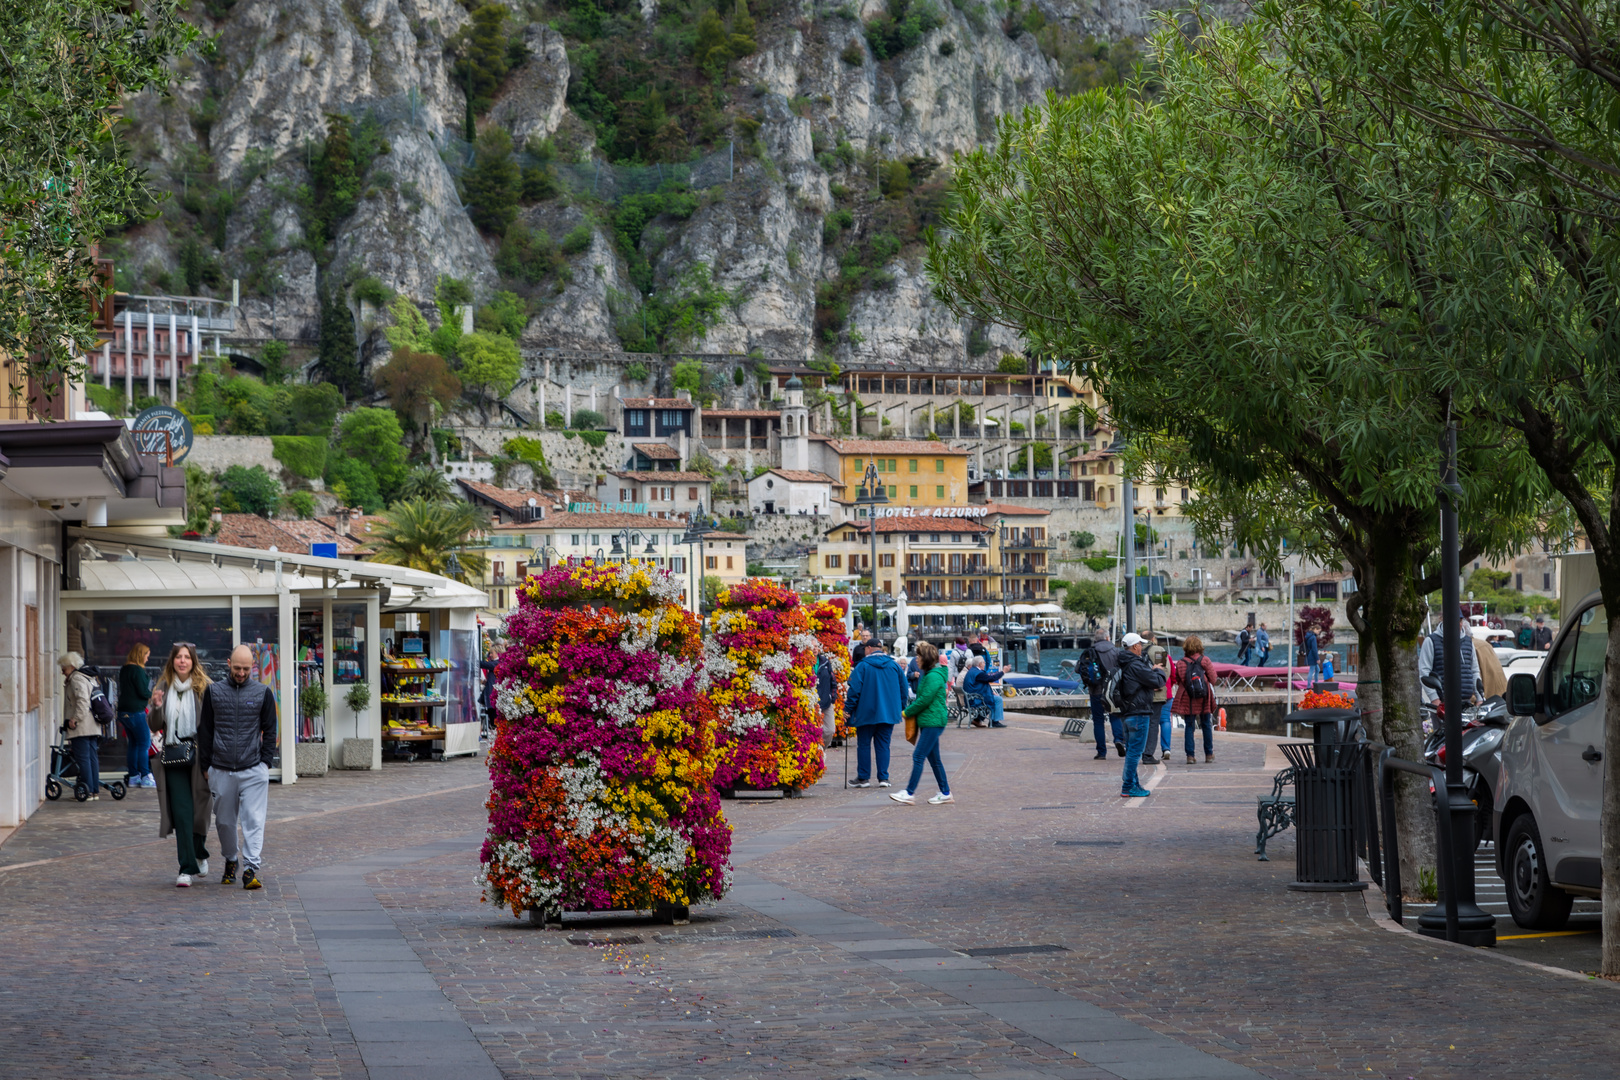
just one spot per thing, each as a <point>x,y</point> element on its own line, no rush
<point>833,639</point>
<point>760,664</point>
<point>601,773</point>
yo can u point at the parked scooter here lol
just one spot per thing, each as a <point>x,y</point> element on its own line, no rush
<point>1483,726</point>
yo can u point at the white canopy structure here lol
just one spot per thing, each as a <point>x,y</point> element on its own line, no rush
<point>128,587</point>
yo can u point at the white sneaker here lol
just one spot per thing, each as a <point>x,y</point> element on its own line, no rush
<point>941,798</point>
<point>902,797</point>
<point>183,881</point>
<point>860,783</point>
<point>202,867</point>
<point>884,783</point>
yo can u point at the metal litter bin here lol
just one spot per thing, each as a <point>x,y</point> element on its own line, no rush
<point>1325,799</point>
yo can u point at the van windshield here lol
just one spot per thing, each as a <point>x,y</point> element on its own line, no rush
<point>1575,675</point>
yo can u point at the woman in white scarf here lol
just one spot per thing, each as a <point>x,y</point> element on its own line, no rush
<point>183,799</point>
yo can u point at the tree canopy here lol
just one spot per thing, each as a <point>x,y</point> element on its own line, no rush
<point>65,178</point>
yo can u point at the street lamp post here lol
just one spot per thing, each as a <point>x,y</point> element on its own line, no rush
<point>871,495</point>
<point>1001,557</point>
<point>1473,926</point>
<point>697,527</point>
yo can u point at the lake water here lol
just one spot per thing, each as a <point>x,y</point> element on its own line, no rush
<point>1222,652</point>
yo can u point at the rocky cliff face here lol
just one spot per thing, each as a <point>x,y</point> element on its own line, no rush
<point>833,162</point>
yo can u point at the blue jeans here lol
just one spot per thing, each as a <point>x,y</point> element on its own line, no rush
<point>86,751</point>
<point>1265,657</point>
<point>927,749</point>
<point>138,757</point>
<point>1243,656</point>
<point>1099,721</point>
<point>993,702</point>
<point>1164,726</point>
<point>1207,722</point>
<point>867,738</point>
<point>1136,731</point>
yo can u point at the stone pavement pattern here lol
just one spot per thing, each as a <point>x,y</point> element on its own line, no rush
<point>862,939</point>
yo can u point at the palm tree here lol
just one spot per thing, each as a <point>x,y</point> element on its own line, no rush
<point>423,535</point>
<point>426,483</point>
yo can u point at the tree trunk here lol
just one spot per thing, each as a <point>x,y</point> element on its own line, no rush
<point>1395,616</point>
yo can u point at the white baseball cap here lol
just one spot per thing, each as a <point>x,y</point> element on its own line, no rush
<point>1133,639</point>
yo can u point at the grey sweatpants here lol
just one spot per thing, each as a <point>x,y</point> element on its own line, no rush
<point>243,795</point>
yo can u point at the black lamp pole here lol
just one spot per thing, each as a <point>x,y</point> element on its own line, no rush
<point>1474,927</point>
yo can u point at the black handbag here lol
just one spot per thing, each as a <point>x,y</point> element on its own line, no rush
<point>180,754</point>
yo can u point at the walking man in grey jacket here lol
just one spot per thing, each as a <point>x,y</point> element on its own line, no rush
<point>236,741</point>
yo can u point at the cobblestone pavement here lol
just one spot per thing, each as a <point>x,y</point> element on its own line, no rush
<point>863,939</point>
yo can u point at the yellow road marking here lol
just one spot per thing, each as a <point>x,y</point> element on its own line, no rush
<point>1551,933</point>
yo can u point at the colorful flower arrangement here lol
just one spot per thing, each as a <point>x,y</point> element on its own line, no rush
<point>602,793</point>
<point>833,640</point>
<point>1325,699</point>
<point>760,666</point>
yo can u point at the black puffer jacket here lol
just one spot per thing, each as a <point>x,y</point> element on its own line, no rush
<point>237,728</point>
<point>1138,681</point>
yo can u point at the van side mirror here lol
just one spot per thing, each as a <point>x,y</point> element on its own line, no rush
<point>1522,698</point>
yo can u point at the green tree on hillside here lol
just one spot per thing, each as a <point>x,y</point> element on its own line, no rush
<point>493,184</point>
<point>410,330</point>
<point>372,437</point>
<point>251,491</point>
<point>484,56</point>
<point>339,351</point>
<point>490,365</point>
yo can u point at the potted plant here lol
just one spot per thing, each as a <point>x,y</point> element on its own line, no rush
<point>312,757</point>
<point>358,697</point>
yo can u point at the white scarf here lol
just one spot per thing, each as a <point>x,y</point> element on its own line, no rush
<point>180,712</point>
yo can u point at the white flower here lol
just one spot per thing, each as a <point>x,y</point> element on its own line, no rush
<point>512,702</point>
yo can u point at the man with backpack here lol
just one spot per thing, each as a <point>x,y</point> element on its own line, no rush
<point>1245,646</point>
<point>1130,691</point>
<point>1107,658</point>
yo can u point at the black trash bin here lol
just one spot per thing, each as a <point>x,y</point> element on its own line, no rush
<point>1325,803</point>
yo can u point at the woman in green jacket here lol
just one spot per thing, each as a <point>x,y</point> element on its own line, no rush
<point>928,707</point>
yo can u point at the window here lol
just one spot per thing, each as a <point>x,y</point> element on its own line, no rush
<point>596,538</point>
<point>956,538</point>
<point>894,491</point>
<point>939,464</point>
<point>933,538</point>
<point>672,419</point>
<point>728,562</point>
<point>886,559</point>
<point>913,464</point>
<point>1184,496</point>
<point>713,562</point>
<point>573,539</point>
<point>635,421</point>
<point>1518,582</point>
<point>624,494</point>
<point>913,491</point>
<point>914,538</point>
<point>939,491</point>
<point>691,494</point>
<point>1546,582</point>
<point>1575,673</point>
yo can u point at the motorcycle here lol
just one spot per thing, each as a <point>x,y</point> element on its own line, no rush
<point>1483,727</point>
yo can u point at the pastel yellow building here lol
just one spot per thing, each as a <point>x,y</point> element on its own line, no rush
<point>914,473</point>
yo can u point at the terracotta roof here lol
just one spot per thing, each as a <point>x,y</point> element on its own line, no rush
<point>918,524</point>
<point>610,520</point>
<point>253,531</point>
<point>883,447</point>
<point>1015,511</point>
<point>678,477</point>
<point>803,476</point>
<point>1095,455</point>
<point>657,451</point>
<point>322,532</point>
<point>743,414</point>
<point>511,498</point>
<point>657,403</point>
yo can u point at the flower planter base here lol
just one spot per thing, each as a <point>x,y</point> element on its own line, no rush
<point>552,918</point>
<point>761,793</point>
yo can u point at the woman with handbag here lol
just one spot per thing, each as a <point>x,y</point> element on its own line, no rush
<point>183,799</point>
<point>1193,682</point>
<point>927,712</point>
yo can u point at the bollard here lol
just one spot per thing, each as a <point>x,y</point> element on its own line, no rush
<point>1223,718</point>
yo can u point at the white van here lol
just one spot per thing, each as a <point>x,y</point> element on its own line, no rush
<point>1549,800</point>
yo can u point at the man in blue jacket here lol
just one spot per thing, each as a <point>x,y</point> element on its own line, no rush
<point>977,682</point>
<point>877,693</point>
<point>1137,682</point>
<point>1313,658</point>
<point>1262,641</point>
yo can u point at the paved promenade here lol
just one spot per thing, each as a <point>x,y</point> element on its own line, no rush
<point>1040,927</point>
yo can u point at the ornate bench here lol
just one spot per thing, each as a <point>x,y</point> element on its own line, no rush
<point>1275,811</point>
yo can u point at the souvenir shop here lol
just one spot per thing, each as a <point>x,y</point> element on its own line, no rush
<point>365,660</point>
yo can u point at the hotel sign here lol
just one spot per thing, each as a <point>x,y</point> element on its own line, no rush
<point>932,511</point>
<point>607,508</point>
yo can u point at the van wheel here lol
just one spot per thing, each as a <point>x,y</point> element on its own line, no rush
<point>1536,903</point>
